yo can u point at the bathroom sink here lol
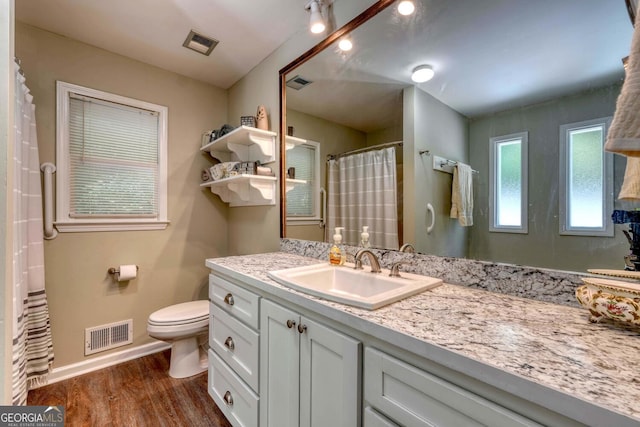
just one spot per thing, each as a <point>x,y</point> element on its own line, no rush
<point>359,288</point>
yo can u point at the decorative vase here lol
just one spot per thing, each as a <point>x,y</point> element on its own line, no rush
<point>261,117</point>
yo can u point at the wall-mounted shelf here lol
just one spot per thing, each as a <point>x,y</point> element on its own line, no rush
<point>293,141</point>
<point>292,183</point>
<point>245,190</point>
<point>244,144</point>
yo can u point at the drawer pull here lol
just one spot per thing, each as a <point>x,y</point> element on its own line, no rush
<point>290,323</point>
<point>228,399</point>
<point>229,343</point>
<point>229,299</point>
<point>302,328</point>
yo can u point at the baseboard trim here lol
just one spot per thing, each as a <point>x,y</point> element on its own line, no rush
<point>96,363</point>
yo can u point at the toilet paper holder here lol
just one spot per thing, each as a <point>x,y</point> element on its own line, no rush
<point>114,270</point>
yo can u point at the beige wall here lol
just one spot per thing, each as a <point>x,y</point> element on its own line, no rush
<point>80,292</point>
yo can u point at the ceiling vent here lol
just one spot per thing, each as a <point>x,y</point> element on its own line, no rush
<point>298,82</point>
<point>199,43</point>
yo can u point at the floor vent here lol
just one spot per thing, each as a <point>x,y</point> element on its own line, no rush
<point>106,337</point>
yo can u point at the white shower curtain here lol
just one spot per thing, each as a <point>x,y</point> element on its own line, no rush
<point>362,190</point>
<point>32,345</point>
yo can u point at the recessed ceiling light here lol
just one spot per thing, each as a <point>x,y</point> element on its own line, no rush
<point>406,7</point>
<point>422,73</point>
<point>199,43</point>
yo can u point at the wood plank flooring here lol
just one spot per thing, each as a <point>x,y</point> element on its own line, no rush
<point>139,392</point>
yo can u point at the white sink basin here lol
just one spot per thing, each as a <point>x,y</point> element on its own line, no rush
<point>359,288</point>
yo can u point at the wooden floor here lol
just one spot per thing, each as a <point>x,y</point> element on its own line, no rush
<point>135,393</point>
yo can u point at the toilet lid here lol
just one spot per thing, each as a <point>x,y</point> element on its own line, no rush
<point>186,312</point>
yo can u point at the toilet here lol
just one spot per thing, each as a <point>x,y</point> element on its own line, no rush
<point>185,327</point>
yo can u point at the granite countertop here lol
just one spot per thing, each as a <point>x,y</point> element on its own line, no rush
<point>548,344</point>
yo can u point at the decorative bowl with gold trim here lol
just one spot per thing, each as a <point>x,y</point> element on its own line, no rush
<point>611,299</point>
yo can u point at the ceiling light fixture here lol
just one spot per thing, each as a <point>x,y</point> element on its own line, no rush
<point>406,7</point>
<point>422,73</point>
<point>345,44</point>
<point>316,22</point>
<point>199,43</point>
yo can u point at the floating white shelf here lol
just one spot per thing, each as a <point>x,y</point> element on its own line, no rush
<point>245,190</point>
<point>292,183</point>
<point>244,144</point>
<point>292,141</point>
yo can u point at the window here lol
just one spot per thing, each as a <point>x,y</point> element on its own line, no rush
<point>508,191</point>
<point>586,179</point>
<point>112,162</point>
<point>303,200</point>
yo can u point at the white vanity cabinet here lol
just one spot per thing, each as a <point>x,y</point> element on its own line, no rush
<point>234,351</point>
<point>309,373</point>
<point>411,396</point>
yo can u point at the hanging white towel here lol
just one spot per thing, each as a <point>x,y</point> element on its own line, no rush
<point>624,134</point>
<point>462,194</point>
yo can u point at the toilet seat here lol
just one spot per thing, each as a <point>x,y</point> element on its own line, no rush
<point>185,313</point>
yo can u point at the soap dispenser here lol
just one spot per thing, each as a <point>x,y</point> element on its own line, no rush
<point>336,257</point>
<point>364,237</point>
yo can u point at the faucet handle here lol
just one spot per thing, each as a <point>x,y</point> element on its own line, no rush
<point>395,268</point>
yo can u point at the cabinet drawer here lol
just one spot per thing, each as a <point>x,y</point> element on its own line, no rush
<point>234,300</point>
<point>414,397</point>
<point>236,344</point>
<point>236,401</point>
<point>374,419</point>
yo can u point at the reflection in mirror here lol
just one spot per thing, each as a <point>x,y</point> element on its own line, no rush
<point>501,68</point>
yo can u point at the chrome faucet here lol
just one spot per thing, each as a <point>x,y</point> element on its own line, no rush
<point>373,260</point>
<point>407,247</point>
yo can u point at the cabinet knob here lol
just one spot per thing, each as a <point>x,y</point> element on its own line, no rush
<point>229,299</point>
<point>290,323</point>
<point>228,399</point>
<point>229,343</point>
<point>302,328</point>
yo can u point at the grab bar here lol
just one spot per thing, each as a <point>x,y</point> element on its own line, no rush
<point>323,203</point>
<point>48,169</point>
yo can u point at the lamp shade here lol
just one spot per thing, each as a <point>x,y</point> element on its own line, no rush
<point>316,23</point>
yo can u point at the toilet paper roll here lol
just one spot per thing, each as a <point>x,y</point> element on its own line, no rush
<point>127,272</point>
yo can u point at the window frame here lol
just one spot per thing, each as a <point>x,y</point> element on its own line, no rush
<point>524,195</point>
<point>607,188</point>
<point>64,221</point>
<point>316,217</point>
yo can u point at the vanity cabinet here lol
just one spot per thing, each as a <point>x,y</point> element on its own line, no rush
<point>309,373</point>
<point>411,396</point>
<point>234,351</point>
<point>244,144</point>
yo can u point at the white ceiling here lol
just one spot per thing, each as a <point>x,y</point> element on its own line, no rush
<point>153,31</point>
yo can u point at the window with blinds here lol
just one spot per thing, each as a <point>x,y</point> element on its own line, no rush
<point>113,151</point>
<point>303,200</point>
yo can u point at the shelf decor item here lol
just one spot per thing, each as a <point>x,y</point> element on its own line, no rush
<point>261,116</point>
<point>248,121</point>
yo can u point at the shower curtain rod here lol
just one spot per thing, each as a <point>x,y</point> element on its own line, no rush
<point>362,150</point>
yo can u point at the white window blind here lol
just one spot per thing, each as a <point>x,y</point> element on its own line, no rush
<point>112,162</point>
<point>113,159</point>
<point>300,200</point>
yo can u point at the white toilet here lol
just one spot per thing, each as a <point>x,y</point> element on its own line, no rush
<point>185,326</point>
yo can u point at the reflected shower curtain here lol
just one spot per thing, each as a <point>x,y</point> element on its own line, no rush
<point>362,190</point>
<point>32,345</point>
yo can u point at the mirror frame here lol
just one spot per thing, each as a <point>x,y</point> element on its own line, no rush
<point>369,13</point>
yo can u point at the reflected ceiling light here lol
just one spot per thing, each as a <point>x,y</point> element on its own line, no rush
<point>316,22</point>
<point>345,44</point>
<point>422,73</point>
<point>406,7</point>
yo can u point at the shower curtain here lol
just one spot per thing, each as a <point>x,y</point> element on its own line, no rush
<point>362,191</point>
<point>32,345</point>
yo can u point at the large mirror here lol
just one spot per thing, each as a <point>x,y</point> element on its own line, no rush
<point>500,69</point>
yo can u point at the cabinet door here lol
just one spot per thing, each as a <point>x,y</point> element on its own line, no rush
<point>329,377</point>
<point>279,366</point>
